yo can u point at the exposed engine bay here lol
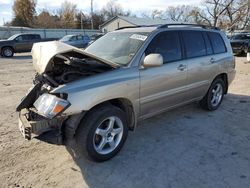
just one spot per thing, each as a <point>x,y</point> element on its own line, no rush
<point>67,68</point>
<point>57,63</point>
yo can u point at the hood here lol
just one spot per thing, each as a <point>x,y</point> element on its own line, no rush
<point>4,41</point>
<point>44,52</point>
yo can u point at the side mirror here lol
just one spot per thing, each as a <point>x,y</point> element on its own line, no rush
<point>153,60</point>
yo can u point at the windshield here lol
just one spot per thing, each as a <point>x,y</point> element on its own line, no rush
<point>66,38</point>
<point>13,37</point>
<point>118,47</point>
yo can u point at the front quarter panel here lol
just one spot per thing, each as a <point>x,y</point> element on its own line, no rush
<point>88,92</point>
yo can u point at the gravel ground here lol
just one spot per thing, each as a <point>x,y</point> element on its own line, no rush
<point>185,147</point>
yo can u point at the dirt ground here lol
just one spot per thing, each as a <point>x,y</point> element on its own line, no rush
<point>186,147</point>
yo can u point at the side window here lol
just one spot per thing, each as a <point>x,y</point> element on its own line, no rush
<point>208,44</point>
<point>167,44</point>
<point>31,37</point>
<point>217,42</point>
<point>194,44</point>
<point>86,38</point>
<point>73,38</point>
<point>19,38</point>
<point>36,36</point>
<point>25,37</point>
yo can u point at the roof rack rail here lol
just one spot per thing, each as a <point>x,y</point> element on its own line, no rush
<point>127,27</point>
<point>188,24</point>
<point>159,26</point>
<point>137,26</point>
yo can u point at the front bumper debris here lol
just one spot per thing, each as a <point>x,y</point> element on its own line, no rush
<point>24,125</point>
<point>39,126</point>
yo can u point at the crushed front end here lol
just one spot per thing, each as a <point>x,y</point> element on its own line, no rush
<point>56,64</point>
<point>41,111</point>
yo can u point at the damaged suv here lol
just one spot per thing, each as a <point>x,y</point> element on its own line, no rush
<point>97,95</point>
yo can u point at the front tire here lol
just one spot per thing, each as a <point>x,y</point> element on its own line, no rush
<point>102,133</point>
<point>214,96</point>
<point>7,52</point>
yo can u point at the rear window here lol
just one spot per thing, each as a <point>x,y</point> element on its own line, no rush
<point>217,43</point>
<point>194,44</point>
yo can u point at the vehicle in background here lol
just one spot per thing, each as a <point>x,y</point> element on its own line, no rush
<point>240,43</point>
<point>20,43</point>
<point>95,37</point>
<point>79,41</point>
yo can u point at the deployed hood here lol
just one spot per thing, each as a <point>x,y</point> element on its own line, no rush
<point>44,52</point>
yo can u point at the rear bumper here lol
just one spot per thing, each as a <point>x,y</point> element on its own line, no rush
<point>29,128</point>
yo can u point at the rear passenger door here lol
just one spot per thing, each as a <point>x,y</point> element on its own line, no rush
<point>202,54</point>
<point>165,86</point>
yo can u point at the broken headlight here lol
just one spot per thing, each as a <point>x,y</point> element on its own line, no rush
<point>50,105</point>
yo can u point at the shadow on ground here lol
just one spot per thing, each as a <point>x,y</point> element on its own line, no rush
<point>186,147</point>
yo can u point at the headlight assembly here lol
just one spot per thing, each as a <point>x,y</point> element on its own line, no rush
<point>50,105</point>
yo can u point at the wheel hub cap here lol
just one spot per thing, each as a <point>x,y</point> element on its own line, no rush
<point>217,93</point>
<point>108,135</point>
<point>7,52</point>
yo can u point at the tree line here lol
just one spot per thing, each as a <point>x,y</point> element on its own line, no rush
<point>226,14</point>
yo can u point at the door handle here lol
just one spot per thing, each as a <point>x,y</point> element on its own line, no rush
<point>181,67</point>
<point>212,60</point>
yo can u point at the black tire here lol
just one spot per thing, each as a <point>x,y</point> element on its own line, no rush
<point>86,132</point>
<point>206,102</point>
<point>7,52</point>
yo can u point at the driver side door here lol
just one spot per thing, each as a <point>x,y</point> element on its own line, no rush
<point>163,87</point>
<point>22,44</point>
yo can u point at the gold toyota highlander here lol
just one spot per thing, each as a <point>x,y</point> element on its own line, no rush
<point>95,96</point>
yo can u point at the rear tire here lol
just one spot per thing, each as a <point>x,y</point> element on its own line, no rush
<point>214,96</point>
<point>102,133</point>
<point>7,52</point>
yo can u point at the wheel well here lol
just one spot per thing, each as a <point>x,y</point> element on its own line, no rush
<point>127,107</point>
<point>123,104</point>
<point>223,76</point>
<point>6,47</point>
<point>71,125</point>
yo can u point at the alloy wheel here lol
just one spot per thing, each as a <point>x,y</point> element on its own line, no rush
<point>217,93</point>
<point>108,135</point>
<point>7,52</point>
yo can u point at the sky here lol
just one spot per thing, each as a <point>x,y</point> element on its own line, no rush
<point>135,6</point>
